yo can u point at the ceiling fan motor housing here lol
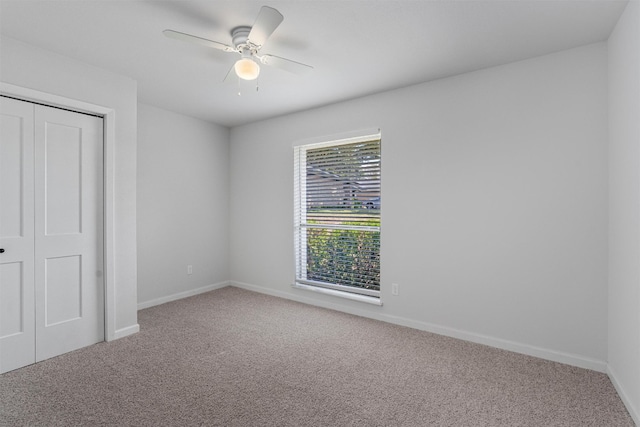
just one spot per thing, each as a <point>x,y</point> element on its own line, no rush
<point>240,37</point>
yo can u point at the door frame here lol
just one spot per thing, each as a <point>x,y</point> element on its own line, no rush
<point>108,116</point>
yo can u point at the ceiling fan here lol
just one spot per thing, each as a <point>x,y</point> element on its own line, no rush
<point>247,42</point>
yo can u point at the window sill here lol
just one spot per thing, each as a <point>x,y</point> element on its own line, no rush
<point>347,295</point>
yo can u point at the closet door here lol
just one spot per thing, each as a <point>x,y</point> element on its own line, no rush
<point>51,232</point>
<point>17,315</point>
<point>69,290</point>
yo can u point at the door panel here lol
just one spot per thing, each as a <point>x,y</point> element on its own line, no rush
<point>63,161</point>
<point>17,327</point>
<point>11,292</point>
<point>63,289</point>
<point>68,235</point>
<point>13,171</point>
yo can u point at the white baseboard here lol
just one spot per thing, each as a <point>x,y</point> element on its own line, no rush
<point>516,347</point>
<point>633,410</point>
<point>124,332</point>
<point>180,295</point>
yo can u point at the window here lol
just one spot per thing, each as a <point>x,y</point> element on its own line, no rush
<point>337,217</point>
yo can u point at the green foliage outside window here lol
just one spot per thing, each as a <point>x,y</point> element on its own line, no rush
<point>351,257</point>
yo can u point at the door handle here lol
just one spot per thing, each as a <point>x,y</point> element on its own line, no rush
<point>1,251</point>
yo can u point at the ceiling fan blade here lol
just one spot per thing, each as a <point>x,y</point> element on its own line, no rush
<point>266,23</point>
<point>199,40</point>
<point>286,64</point>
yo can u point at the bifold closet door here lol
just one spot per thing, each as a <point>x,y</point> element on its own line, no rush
<point>69,291</point>
<point>60,288</point>
<point>17,303</point>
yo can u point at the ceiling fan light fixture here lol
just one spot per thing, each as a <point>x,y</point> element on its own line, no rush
<point>247,69</point>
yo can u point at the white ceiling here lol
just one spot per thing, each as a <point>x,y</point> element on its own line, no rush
<point>356,47</point>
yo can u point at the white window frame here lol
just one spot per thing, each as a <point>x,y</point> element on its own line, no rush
<point>300,237</point>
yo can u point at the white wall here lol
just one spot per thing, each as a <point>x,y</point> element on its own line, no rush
<point>29,67</point>
<point>624,223</point>
<point>183,205</point>
<point>494,204</point>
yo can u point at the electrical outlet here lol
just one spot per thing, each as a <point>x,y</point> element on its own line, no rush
<point>394,289</point>
<point>189,269</point>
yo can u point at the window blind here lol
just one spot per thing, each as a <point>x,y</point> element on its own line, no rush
<point>337,215</point>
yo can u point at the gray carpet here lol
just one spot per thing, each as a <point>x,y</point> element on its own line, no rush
<point>236,358</point>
